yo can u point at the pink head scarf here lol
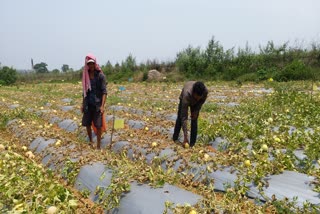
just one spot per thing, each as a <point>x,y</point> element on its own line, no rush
<point>85,74</point>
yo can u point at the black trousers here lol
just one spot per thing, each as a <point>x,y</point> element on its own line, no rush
<point>178,126</point>
<point>92,115</point>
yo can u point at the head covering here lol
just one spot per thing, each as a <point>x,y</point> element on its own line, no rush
<point>85,74</point>
<point>90,60</point>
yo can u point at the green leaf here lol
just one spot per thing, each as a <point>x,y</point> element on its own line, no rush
<point>160,183</point>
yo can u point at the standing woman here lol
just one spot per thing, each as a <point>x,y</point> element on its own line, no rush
<point>94,97</point>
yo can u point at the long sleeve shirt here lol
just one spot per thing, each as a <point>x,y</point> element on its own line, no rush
<point>187,100</point>
<point>98,89</point>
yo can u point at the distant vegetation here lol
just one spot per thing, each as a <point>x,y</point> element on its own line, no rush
<point>281,62</point>
<point>8,75</point>
<point>41,67</point>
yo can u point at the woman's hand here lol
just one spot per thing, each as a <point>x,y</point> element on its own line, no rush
<point>102,109</point>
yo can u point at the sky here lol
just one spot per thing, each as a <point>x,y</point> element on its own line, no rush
<point>61,32</point>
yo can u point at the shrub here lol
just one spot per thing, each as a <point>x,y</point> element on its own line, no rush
<point>262,74</point>
<point>145,76</point>
<point>250,77</point>
<point>296,70</point>
<point>8,76</point>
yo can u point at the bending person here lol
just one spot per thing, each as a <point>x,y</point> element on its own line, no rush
<point>193,95</point>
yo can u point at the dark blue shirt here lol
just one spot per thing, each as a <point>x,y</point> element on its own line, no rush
<point>98,88</point>
<point>92,93</point>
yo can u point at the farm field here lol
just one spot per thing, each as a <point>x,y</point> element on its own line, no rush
<point>257,151</point>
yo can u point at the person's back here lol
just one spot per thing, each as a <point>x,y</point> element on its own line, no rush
<point>193,95</point>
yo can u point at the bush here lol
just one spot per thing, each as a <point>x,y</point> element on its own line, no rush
<point>175,77</point>
<point>282,62</point>
<point>250,77</point>
<point>262,74</point>
<point>8,76</point>
<point>296,70</point>
<point>191,62</point>
<point>121,76</point>
<point>145,76</point>
<point>232,73</point>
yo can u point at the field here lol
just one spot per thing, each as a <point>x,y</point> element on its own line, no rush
<point>258,149</point>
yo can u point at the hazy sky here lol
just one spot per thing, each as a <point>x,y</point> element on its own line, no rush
<point>64,31</point>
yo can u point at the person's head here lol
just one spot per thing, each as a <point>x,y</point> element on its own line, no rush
<point>91,64</point>
<point>198,90</point>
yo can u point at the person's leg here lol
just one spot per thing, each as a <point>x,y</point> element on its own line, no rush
<point>89,131</point>
<point>194,131</point>
<point>97,120</point>
<point>99,138</point>
<point>86,121</point>
<point>178,124</point>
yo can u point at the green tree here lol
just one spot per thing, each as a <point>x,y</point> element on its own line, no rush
<point>55,71</point>
<point>143,67</point>
<point>191,61</point>
<point>107,68</point>
<point>65,68</point>
<point>214,52</point>
<point>41,67</point>
<point>117,67</point>
<point>129,65</point>
<point>8,76</point>
<point>214,57</point>
<point>240,64</point>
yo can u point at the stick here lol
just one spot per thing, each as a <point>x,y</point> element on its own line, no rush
<point>113,118</point>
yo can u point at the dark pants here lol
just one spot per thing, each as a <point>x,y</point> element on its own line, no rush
<point>92,115</point>
<point>177,127</point>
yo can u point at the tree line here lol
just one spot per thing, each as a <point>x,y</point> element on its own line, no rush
<point>214,62</point>
<point>282,62</point>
